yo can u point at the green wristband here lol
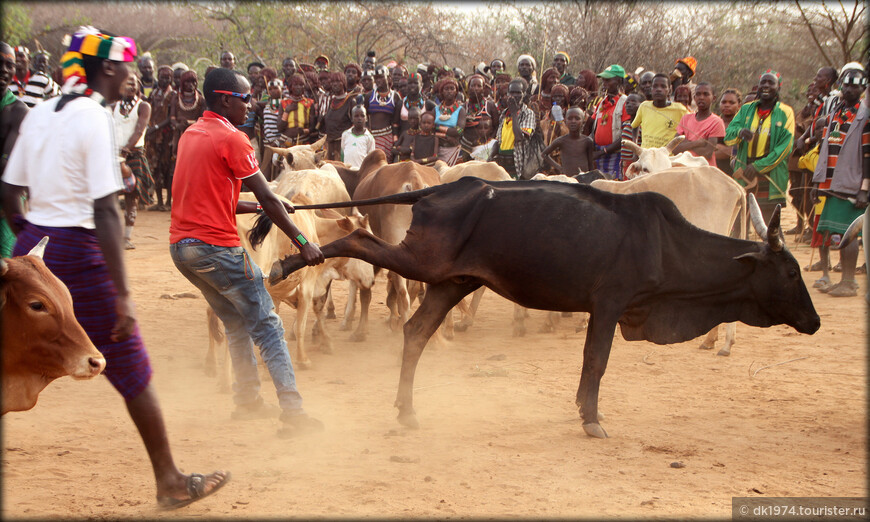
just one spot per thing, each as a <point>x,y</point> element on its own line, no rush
<point>302,240</point>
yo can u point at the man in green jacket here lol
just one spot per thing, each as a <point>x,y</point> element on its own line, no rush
<point>763,132</point>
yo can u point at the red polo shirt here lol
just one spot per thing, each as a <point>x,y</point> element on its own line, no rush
<point>213,159</point>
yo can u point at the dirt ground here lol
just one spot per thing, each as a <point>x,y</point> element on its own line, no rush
<point>784,415</point>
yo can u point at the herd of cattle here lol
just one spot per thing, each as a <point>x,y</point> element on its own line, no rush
<point>652,254</point>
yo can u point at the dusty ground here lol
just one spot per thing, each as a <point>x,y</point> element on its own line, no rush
<point>499,438</point>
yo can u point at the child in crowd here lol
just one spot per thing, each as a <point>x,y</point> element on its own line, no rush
<point>357,142</point>
<point>575,148</point>
<point>272,112</point>
<point>424,147</point>
<point>402,146</point>
<point>485,139</point>
<point>628,133</point>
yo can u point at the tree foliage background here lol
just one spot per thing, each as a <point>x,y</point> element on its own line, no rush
<point>732,41</point>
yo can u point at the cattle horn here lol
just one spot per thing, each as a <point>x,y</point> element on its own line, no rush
<point>39,249</point>
<point>755,217</point>
<point>851,232</point>
<point>673,144</point>
<point>633,147</point>
<point>774,231</point>
<point>317,145</point>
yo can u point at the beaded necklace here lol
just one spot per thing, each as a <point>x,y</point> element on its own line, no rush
<point>447,111</point>
<point>385,100</point>
<point>126,106</point>
<point>183,106</point>
<point>343,99</point>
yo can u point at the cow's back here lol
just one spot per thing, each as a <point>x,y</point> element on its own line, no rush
<point>488,170</point>
<point>390,222</point>
<point>706,196</point>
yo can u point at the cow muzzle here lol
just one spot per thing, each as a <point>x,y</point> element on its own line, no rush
<point>88,367</point>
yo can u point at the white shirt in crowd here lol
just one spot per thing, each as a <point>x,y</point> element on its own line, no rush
<point>66,159</point>
<point>355,147</point>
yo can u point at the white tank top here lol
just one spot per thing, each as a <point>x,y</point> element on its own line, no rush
<point>125,125</point>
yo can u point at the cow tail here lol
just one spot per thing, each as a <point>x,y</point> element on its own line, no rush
<point>260,230</point>
<point>214,326</point>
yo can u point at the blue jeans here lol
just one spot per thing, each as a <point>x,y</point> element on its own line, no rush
<point>233,286</point>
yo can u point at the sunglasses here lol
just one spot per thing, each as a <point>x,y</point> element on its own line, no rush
<point>245,97</point>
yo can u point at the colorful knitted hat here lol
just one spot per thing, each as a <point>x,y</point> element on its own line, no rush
<point>565,55</point>
<point>88,41</point>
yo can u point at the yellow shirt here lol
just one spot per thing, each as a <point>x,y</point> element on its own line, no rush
<point>759,146</point>
<point>657,125</point>
<point>507,134</point>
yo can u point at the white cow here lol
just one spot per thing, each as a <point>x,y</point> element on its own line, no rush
<point>707,197</point>
<point>299,157</point>
<point>650,161</point>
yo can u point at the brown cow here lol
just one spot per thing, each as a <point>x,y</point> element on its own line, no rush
<point>42,340</point>
<point>391,222</point>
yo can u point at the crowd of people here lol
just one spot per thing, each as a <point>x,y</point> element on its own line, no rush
<point>75,138</point>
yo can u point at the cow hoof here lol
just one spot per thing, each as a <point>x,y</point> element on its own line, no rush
<point>724,352</point>
<point>357,337</point>
<point>705,347</point>
<point>519,331</point>
<point>593,429</point>
<point>330,315</point>
<point>304,365</point>
<point>345,327</point>
<point>409,421</point>
<point>461,327</point>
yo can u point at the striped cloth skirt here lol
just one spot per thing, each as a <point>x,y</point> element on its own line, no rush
<point>384,141</point>
<point>144,182</point>
<point>74,256</point>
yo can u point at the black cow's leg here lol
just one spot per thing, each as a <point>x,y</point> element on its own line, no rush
<point>359,244</point>
<point>599,339</point>
<point>440,299</point>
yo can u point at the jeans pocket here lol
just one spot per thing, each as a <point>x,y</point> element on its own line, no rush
<point>213,274</point>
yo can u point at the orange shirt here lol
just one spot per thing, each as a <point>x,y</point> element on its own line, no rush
<point>213,159</point>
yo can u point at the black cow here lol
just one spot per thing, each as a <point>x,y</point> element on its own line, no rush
<point>631,259</point>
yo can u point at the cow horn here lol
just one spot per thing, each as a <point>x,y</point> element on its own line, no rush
<point>774,231</point>
<point>673,144</point>
<point>851,232</point>
<point>632,146</point>
<point>317,145</point>
<point>3,267</point>
<point>755,217</point>
<point>39,249</point>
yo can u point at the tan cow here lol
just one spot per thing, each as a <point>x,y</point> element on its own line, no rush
<point>299,157</point>
<point>326,185</point>
<point>708,198</point>
<point>488,170</point>
<point>391,222</point>
<point>42,340</point>
<point>650,161</point>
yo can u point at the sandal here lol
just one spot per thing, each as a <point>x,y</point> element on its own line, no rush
<point>822,282</point>
<point>196,490</point>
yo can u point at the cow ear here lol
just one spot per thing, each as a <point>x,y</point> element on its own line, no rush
<point>345,224</point>
<point>749,257</point>
<point>631,171</point>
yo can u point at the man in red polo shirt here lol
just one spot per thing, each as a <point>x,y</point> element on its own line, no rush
<point>214,159</point>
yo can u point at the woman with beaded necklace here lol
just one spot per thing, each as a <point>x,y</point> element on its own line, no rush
<point>298,116</point>
<point>185,108</point>
<point>414,98</point>
<point>384,108</point>
<point>337,118</point>
<point>449,120</point>
<point>479,105</point>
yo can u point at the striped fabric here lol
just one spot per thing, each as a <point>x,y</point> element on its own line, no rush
<point>384,141</point>
<point>74,256</point>
<point>39,88</point>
